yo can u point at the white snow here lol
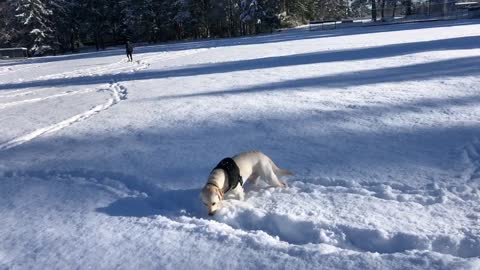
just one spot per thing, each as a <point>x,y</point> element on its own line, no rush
<point>102,161</point>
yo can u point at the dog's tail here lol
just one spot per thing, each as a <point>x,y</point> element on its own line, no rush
<point>277,170</point>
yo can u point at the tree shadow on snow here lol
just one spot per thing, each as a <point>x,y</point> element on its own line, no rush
<point>151,201</point>
<point>458,67</point>
<point>421,71</point>
<point>283,36</point>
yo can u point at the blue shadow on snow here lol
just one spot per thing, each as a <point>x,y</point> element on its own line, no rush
<point>162,202</point>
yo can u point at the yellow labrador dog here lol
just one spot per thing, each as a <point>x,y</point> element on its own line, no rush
<point>228,176</point>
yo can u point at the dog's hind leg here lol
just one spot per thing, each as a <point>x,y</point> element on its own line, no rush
<point>253,179</point>
<point>272,178</point>
<point>239,193</point>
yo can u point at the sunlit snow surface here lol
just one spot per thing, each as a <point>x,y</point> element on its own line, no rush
<point>101,160</point>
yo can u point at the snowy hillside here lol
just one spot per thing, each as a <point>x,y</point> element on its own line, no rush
<point>102,161</point>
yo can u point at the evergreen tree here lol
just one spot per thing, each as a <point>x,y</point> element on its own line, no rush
<point>62,24</point>
<point>47,26</point>
<point>360,8</point>
<point>7,25</point>
<point>251,16</point>
<point>35,25</point>
<point>331,9</point>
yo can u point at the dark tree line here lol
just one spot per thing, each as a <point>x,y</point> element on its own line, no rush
<point>51,26</point>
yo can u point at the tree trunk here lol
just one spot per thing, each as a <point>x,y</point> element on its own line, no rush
<point>383,9</point>
<point>72,42</point>
<point>374,10</point>
<point>408,5</point>
<point>114,33</point>
<point>97,46</point>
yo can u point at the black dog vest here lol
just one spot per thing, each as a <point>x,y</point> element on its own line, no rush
<point>232,171</point>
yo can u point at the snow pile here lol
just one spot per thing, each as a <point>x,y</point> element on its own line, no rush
<point>102,161</point>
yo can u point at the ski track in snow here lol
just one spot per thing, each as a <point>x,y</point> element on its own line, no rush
<point>18,93</point>
<point>113,68</point>
<point>118,93</point>
<point>119,67</point>
<point>110,69</point>
<point>33,100</point>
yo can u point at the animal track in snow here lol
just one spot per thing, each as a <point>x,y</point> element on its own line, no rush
<point>427,195</point>
<point>321,222</point>
<point>472,154</point>
<point>304,232</point>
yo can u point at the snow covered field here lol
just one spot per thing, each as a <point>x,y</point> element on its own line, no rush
<point>102,161</point>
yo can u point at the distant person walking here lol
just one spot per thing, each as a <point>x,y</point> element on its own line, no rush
<point>129,48</point>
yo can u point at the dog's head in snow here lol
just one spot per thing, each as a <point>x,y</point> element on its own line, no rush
<point>231,174</point>
<point>211,197</point>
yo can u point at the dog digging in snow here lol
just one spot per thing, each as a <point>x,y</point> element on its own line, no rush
<point>228,175</point>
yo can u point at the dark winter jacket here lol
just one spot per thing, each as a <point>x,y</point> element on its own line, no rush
<point>129,47</point>
<point>232,171</point>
